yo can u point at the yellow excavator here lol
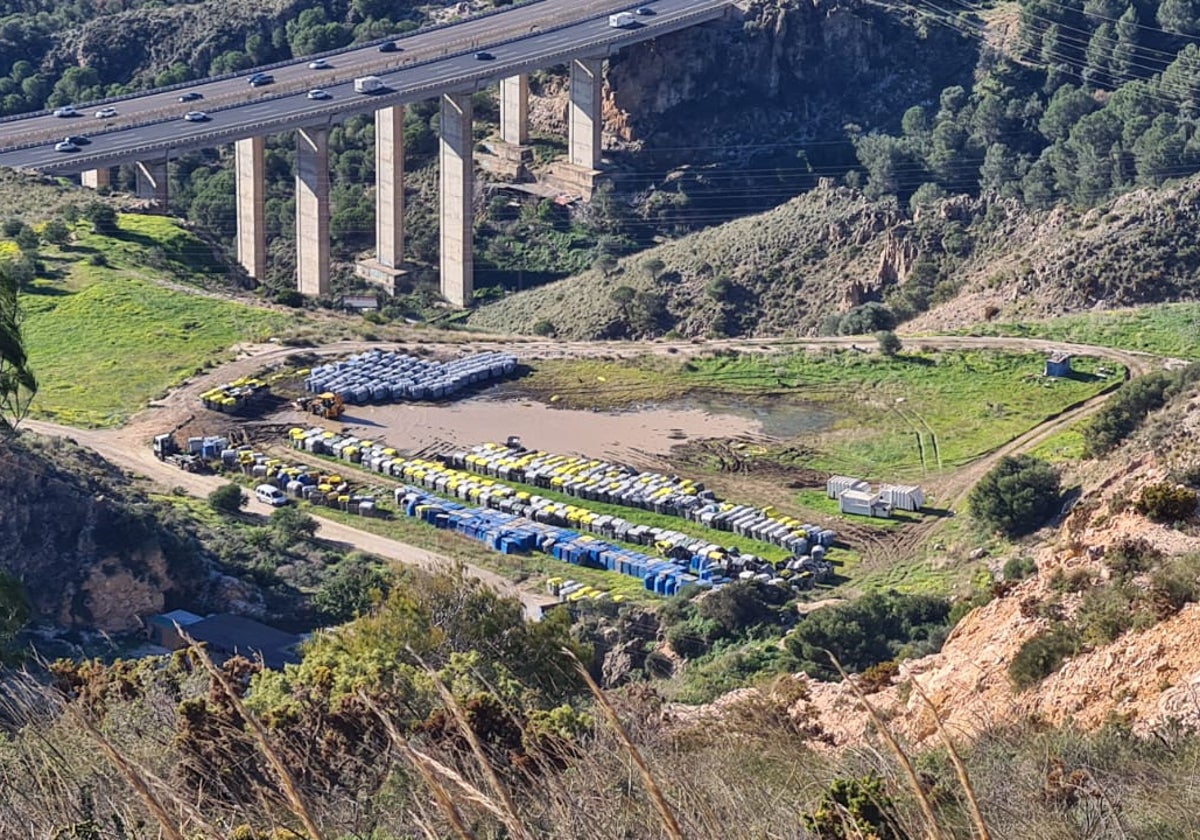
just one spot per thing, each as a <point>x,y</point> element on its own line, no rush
<point>328,405</point>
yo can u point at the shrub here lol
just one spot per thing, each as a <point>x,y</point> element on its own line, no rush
<point>889,343</point>
<point>289,297</point>
<point>1175,584</point>
<point>1105,613</point>
<point>544,328</point>
<point>1019,568</point>
<point>1016,496</point>
<point>1127,408</point>
<point>869,318</point>
<point>875,628</point>
<point>1164,502</point>
<point>1076,580</point>
<point>1130,556</point>
<point>228,498</point>
<point>854,808</point>
<point>102,217</point>
<point>1041,656</point>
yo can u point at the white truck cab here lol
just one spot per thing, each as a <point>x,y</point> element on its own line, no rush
<point>368,84</point>
<point>620,20</point>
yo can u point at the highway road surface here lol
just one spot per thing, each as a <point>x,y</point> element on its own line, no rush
<point>429,63</point>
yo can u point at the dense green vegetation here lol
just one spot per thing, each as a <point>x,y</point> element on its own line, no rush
<point>878,627</point>
<point>1096,98</point>
<point>1016,496</point>
<point>106,335</point>
<point>1122,414</point>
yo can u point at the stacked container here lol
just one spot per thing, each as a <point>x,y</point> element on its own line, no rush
<point>380,377</point>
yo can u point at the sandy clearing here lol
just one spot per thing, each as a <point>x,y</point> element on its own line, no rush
<point>620,435</point>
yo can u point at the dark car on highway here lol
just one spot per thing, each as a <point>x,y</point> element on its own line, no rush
<point>191,96</point>
<point>388,46</point>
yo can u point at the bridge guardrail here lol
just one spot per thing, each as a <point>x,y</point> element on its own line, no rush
<point>274,65</point>
<point>166,113</point>
<point>327,113</point>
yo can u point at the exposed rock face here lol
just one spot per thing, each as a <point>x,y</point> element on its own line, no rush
<point>777,68</point>
<point>136,45</point>
<point>90,550</point>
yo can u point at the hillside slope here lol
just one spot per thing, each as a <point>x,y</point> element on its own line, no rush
<point>965,260</point>
<point>1103,578</point>
<point>92,550</point>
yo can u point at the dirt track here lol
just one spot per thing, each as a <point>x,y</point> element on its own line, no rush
<point>129,446</point>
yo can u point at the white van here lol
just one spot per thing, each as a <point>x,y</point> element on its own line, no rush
<point>270,495</point>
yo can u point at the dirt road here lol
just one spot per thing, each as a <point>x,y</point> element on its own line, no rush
<point>140,460</point>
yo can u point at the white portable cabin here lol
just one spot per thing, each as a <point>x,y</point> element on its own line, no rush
<point>864,504</point>
<point>903,496</point>
<point>838,484</point>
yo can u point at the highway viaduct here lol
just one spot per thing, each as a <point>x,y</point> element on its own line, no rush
<point>449,63</point>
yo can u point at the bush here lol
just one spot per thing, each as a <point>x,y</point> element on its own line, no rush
<point>1175,584</point>
<point>1130,556</point>
<point>228,498</point>
<point>102,217</point>
<point>290,297</point>
<point>889,343</point>
<point>544,328</point>
<point>1105,613</point>
<point>1127,408</point>
<point>1019,568</point>
<point>875,628</point>
<point>869,318</point>
<point>854,808</point>
<point>1041,656</point>
<point>1164,502</point>
<point>1017,496</point>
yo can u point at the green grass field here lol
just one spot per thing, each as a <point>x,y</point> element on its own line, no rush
<point>1168,329</point>
<point>104,340</point>
<point>900,418</point>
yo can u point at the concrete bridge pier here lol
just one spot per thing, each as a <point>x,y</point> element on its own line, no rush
<point>152,181</point>
<point>508,156</point>
<point>250,178</point>
<point>96,178</point>
<point>514,110</point>
<point>578,173</point>
<point>312,211</point>
<point>456,153</point>
<point>386,269</point>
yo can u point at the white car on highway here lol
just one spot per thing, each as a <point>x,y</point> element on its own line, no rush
<point>65,146</point>
<point>106,113</point>
<point>319,64</point>
<point>317,93</point>
<point>195,116</point>
<point>66,111</point>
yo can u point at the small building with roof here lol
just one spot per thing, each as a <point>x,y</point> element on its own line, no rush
<point>1058,363</point>
<point>226,636</point>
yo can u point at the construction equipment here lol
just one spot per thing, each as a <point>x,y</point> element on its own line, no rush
<point>328,405</point>
<point>166,449</point>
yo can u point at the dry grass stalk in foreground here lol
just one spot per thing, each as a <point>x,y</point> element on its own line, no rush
<point>610,714</point>
<point>509,817</point>
<point>932,829</point>
<point>425,767</point>
<point>131,775</point>
<point>290,789</point>
<point>960,769</point>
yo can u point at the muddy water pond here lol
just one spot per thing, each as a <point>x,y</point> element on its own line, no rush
<point>614,434</point>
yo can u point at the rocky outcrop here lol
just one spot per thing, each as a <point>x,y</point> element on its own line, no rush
<point>779,69</point>
<point>91,551</point>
